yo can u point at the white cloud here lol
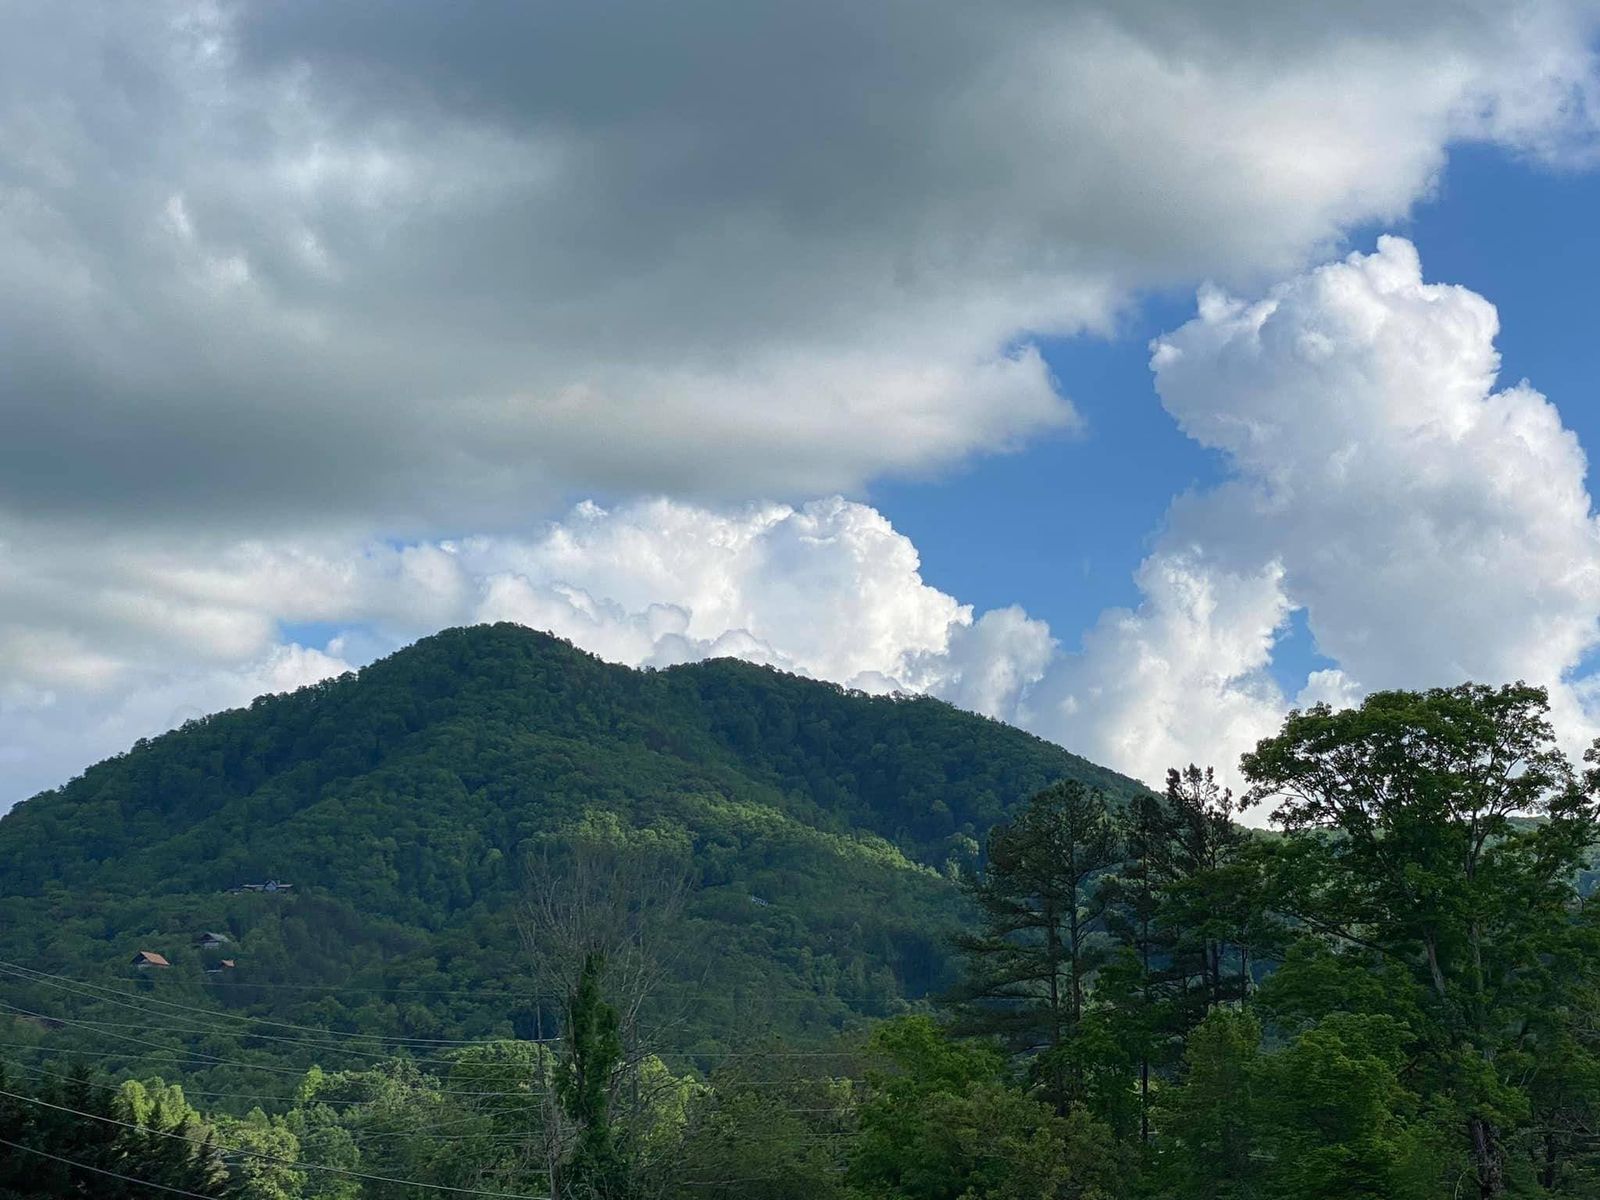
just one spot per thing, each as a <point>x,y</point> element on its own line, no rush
<point>1433,529</point>
<point>828,590</point>
<point>1182,678</point>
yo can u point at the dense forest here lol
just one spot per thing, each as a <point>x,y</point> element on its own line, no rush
<point>557,928</point>
<point>825,831</point>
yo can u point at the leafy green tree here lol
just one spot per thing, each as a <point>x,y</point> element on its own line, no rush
<point>1441,831</point>
<point>940,1122</point>
<point>265,1172</point>
<point>766,1127</point>
<point>1326,1117</point>
<point>1206,1125</point>
<point>1336,1122</point>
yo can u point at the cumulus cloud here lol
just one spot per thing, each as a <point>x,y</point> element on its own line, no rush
<point>1432,528</point>
<point>418,268</point>
<point>828,589</point>
<point>1182,678</point>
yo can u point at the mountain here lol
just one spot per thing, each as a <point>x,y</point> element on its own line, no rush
<point>823,828</point>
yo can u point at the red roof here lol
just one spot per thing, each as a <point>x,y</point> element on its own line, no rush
<point>150,958</point>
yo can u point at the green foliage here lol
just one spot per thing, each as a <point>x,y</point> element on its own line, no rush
<point>939,1122</point>
<point>584,1076</point>
<point>766,1127</point>
<point>73,1136</point>
<point>1408,838</point>
<point>403,804</point>
<point>1326,1117</point>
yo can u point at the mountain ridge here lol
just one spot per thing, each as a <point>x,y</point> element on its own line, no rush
<point>825,828</point>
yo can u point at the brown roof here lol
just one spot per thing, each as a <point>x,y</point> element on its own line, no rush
<point>150,958</point>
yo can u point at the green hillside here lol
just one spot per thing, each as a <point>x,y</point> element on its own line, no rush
<point>821,826</point>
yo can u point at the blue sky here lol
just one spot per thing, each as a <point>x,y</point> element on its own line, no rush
<point>1061,526</point>
<point>695,332</point>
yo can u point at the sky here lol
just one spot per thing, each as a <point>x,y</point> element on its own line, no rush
<point>1132,372</point>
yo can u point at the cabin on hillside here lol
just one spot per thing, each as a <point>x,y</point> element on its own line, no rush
<point>212,941</point>
<point>271,885</point>
<point>145,959</point>
<point>225,965</point>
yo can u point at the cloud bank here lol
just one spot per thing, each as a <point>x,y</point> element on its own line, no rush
<point>828,589</point>
<point>1432,528</point>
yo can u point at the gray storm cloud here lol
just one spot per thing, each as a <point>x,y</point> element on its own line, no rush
<point>421,267</point>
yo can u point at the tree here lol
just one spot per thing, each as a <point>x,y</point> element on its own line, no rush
<point>1134,994</point>
<point>766,1126</point>
<point>1204,889</point>
<point>1440,831</point>
<point>1335,1121</point>
<point>940,1122</point>
<point>265,1172</point>
<point>583,1081</point>
<point>1206,1125</point>
<point>1325,1117</point>
<point>1043,907</point>
<point>598,921</point>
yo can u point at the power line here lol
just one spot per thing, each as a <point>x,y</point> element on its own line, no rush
<point>33,974</point>
<point>220,1063</point>
<point>258,1097</point>
<point>400,992</point>
<point>200,1058</point>
<point>287,1162</point>
<point>82,1166</point>
<point>77,987</point>
<point>370,1054</point>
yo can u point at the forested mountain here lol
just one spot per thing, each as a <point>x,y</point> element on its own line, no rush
<point>821,830</point>
<point>540,928</point>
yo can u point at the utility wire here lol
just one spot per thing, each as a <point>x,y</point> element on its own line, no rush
<point>61,981</point>
<point>292,1101</point>
<point>287,1162</point>
<point>199,1057</point>
<point>82,1166</point>
<point>81,992</point>
<point>401,992</point>
<point>223,1063</point>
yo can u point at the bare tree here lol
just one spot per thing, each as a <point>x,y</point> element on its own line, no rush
<point>614,902</point>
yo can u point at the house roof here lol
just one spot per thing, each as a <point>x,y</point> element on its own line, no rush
<point>151,958</point>
<point>209,936</point>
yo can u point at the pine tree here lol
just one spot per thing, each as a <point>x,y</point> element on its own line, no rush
<point>1043,905</point>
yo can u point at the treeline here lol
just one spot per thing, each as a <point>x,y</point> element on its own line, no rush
<point>1390,995</point>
